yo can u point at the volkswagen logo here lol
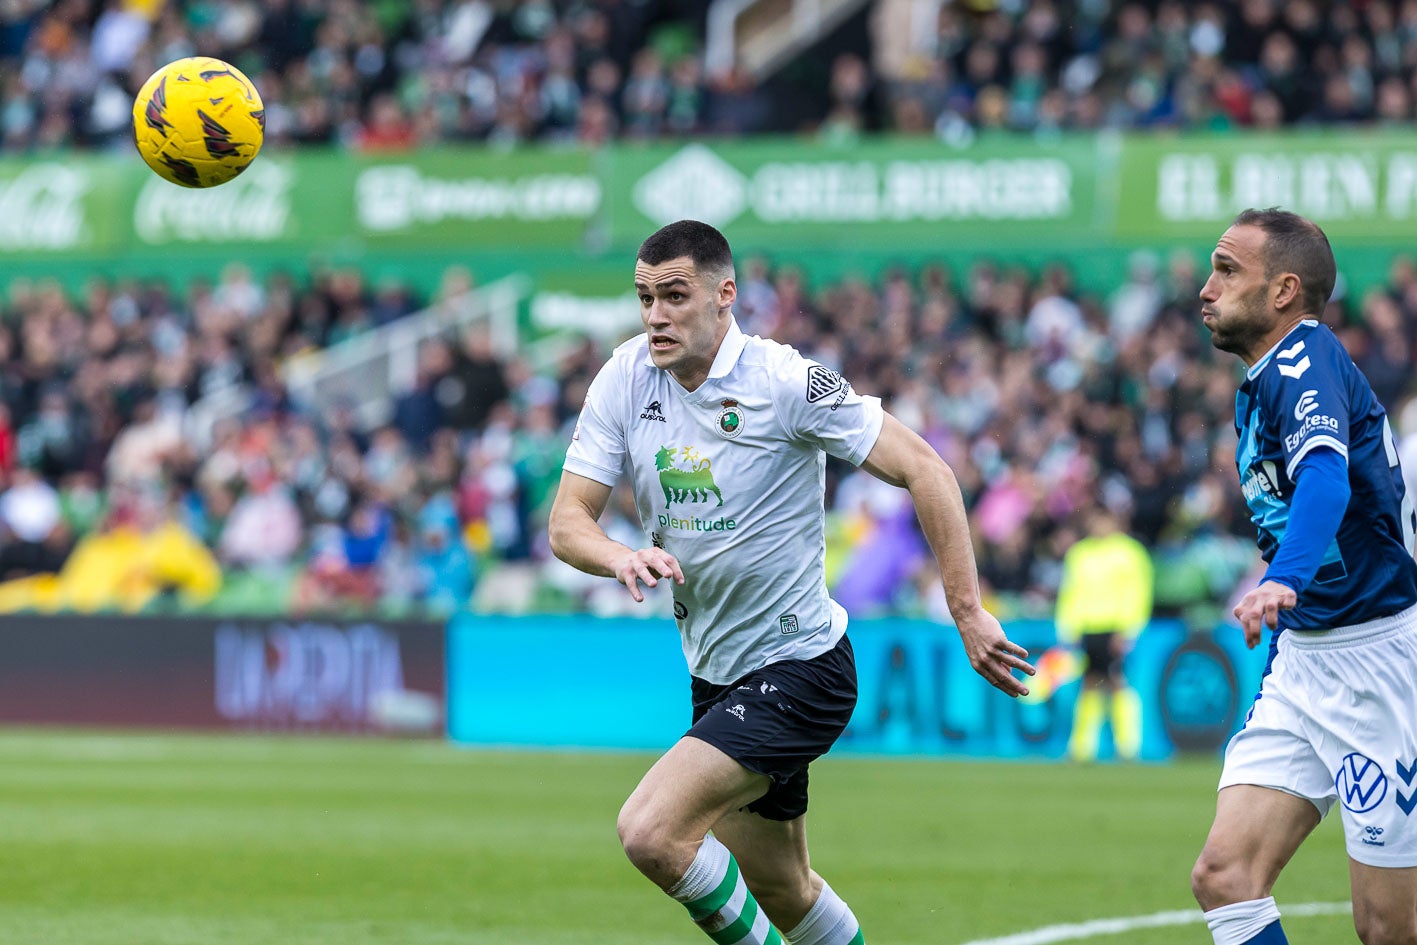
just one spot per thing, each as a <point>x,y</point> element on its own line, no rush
<point>1360,782</point>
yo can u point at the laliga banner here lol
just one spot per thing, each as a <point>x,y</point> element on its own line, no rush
<point>266,674</point>
<point>583,682</point>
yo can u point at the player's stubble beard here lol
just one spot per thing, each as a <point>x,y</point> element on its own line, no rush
<point>693,350</point>
<point>1243,324</point>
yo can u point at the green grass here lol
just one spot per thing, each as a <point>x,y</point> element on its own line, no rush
<point>155,839</point>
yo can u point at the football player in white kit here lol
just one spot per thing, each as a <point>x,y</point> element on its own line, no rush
<point>1335,721</point>
<point>724,438</point>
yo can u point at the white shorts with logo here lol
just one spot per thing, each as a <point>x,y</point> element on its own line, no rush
<point>1336,722</point>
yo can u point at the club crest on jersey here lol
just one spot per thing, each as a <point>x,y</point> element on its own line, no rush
<point>730,419</point>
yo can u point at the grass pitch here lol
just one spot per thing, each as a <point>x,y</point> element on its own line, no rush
<point>157,839</point>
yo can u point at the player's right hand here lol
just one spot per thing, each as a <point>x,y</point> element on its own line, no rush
<point>992,654</point>
<point>646,566</point>
<point>1261,607</point>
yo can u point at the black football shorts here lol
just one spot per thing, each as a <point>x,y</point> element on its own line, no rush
<point>777,720</point>
<point>1097,654</point>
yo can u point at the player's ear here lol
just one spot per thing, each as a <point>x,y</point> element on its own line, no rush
<point>727,292</point>
<point>1286,290</point>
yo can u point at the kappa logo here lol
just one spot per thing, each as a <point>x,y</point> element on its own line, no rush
<point>1308,403</point>
<point>822,382</point>
<point>1297,369</point>
<point>653,411</point>
<point>1361,783</point>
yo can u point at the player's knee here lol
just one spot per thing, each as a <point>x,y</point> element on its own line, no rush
<point>1376,927</point>
<point>649,845</point>
<point>1217,880</point>
<point>639,835</point>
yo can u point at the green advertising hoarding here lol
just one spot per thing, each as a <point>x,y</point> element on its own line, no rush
<point>1361,186</point>
<point>568,216</point>
<point>892,193</point>
<point>458,200</point>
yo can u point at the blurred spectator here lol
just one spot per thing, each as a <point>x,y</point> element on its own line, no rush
<point>34,537</point>
<point>421,411</point>
<point>385,77</point>
<point>476,383</point>
<point>1043,394</point>
<point>141,553</point>
<point>446,572</point>
<point>1137,301</point>
<point>263,529</point>
<point>387,127</point>
<point>343,569</point>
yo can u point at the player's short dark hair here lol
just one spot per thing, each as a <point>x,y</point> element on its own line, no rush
<point>1298,245</point>
<point>706,246</point>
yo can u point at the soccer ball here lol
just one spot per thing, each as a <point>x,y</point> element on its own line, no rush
<point>198,122</point>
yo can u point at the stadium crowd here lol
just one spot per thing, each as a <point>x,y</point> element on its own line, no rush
<point>392,75</point>
<point>1045,399</point>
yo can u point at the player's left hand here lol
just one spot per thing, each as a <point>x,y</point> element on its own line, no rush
<point>1260,608</point>
<point>992,654</point>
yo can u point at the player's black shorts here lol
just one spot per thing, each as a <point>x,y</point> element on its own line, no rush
<point>1097,649</point>
<point>777,720</point>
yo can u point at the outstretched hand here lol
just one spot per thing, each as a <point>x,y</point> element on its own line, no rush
<point>646,566</point>
<point>992,654</point>
<point>1260,608</point>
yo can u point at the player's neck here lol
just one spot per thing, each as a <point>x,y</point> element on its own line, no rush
<point>1271,338</point>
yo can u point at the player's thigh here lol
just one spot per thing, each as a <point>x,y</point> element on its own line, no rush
<point>772,854</point>
<point>1256,832</point>
<point>689,789</point>
<point>1384,902</point>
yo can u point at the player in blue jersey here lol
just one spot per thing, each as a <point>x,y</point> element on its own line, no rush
<point>1336,717</point>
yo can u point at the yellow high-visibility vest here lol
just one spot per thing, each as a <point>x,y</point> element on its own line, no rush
<point>1106,588</point>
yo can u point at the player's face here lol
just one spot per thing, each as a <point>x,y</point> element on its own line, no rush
<point>686,314</point>
<point>1235,299</point>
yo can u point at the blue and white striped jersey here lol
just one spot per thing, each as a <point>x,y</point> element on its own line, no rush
<point>1303,394</point>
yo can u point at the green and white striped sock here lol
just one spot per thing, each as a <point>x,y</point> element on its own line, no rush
<point>829,922</point>
<point>719,901</point>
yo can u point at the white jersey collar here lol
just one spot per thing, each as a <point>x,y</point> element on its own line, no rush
<point>729,350</point>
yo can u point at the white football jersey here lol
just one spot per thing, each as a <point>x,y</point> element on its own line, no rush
<point>729,479</point>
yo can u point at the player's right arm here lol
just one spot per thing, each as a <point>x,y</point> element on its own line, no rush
<point>577,539</point>
<point>903,458</point>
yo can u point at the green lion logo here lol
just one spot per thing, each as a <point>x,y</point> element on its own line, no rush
<point>688,480</point>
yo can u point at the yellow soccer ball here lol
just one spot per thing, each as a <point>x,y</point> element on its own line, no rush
<point>198,122</point>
